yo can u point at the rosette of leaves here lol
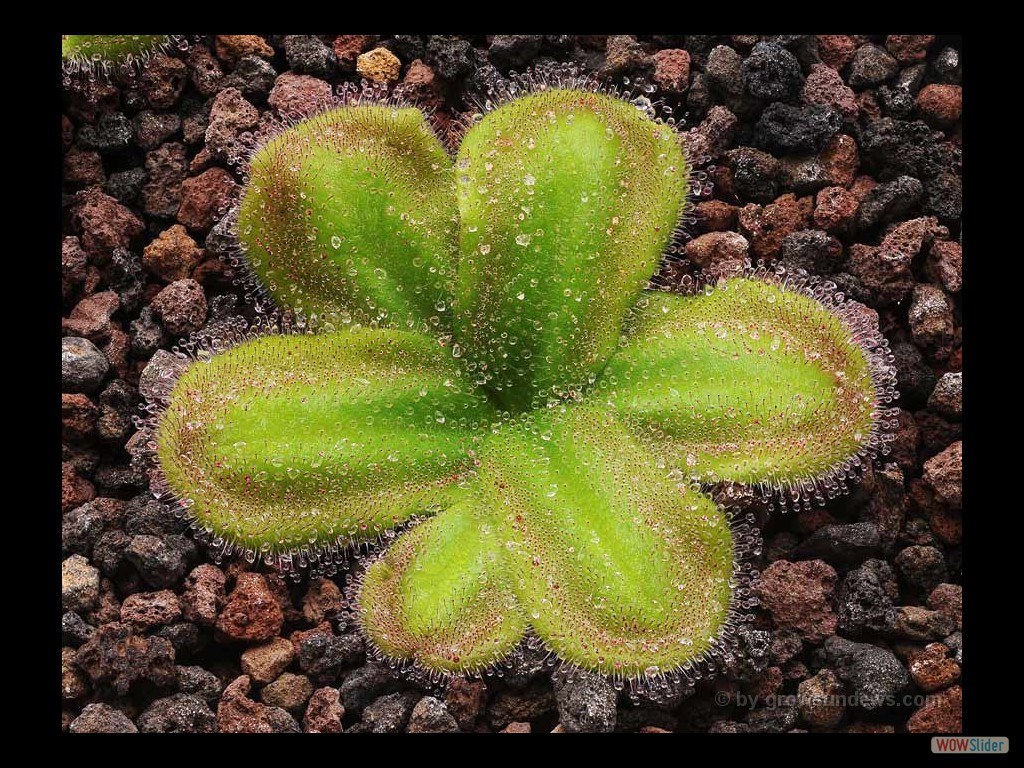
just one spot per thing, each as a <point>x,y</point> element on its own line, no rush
<point>493,365</point>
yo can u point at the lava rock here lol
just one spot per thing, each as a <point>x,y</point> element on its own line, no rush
<point>161,561</point>
<point>323,656</point>
<point>841,546</point>
<point>289,692</point>
<point>379,66</point>
<point>513,51</point>
<point>82,366</point>
<point>324,713</point>
<point>198,682</point>
<point>237,713</point>
<point>923,568</point>
<point>308,55</point>
<point>798,596</point>
<point>255,77</point>
<point>825,87</point>
<point>948,65</point>
<point>147,335</point>
<point>73,629</point>
<point>931,670</point>
<point>203,197</point>
<point>117,657</point>
<point>771,72</point>
<point>755,174</point>
<point>889,202</point>
<point>181,307</point>
<point>947,398</point>
<point>102,718</point>
<point>586,703</point>
<point>451,57</point>
<point>431,716</point>
<point>672,70</point>
<point>390,714</point>
<point>144,611</point>
<point>365,684</point>
<point>783,128</point>
<point>812,250</point>
<point>872,66</point>
<point>152,129</point>
<point>944,474</point>
<point>180,713</point>
<point>772,719</point>
<point>265,663</point>
<point>873,674</point>
<point>251,612</point>
<point>864,602</point>
<point>941,713</point>
<point>113,131</point>
<point>79,585</point>
<point>819,700</point>
<point>930,317</point>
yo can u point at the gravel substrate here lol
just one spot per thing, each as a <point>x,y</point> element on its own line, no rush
<point>836,154</point>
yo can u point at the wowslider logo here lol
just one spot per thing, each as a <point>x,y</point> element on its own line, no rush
<point>972,744</point>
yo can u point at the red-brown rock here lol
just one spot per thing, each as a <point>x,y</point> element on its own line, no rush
<point>162,81</point>
<point>672,70</point>
<point>144,610</point>
<point>720,252</point>
<point>931,669</point>
<point>172,255</point>
<point>237,713</point>
<point>798,596</point>
<point>78,416</point>
<point>948,599</point>
<point>299,95</point>
<point>165,171</point>
<point>943,713</point>
<point>715,216</point>
<point>204,594</point>
<point>324,712</point>
<point>116,656</point>
<point>91,317</point>
<point>251,613</point>
<point>465,701</point>
<point>230,114</point>
<point>83,168</point>
<point>348,47</point>
<point>74,490</point>
<point>940,104</point>
<point>516,727</point>
<point>72,267</point>
<point>767,226</point>
<point>231,48</point>
<point>840,160</point>
<point>835,210</point>
<point>824,86</point>
<point>946,262</point>
<point>104,224</point>
<point>202,198</point>
<point>944,473</point>
<point>909,49</point>
<point>181,307</point>
<point>836,50</point>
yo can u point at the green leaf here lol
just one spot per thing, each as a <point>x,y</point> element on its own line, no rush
<point>751,383</point>
<point>618,568</point>
<point>440,596</point>
<point>101,49</point>
<point>352,213</point>
<point>286,441</point>
<point>567,199</point>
